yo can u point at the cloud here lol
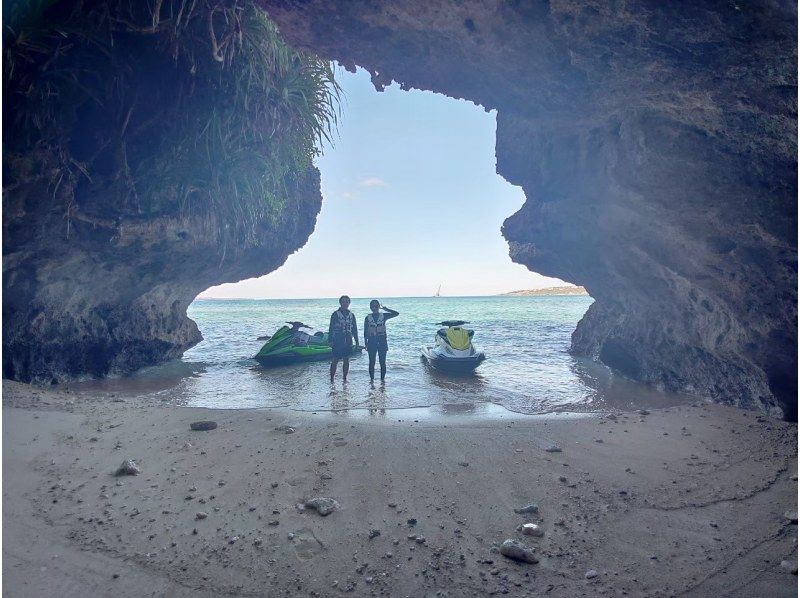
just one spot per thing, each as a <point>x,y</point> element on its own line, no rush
<point>347,195</point>
<point>372,182</point>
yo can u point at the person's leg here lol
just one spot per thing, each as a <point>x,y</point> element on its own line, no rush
<point>371,352</point>
<point>382,357</point>
<point>345,368</point>
<point>334,364</point>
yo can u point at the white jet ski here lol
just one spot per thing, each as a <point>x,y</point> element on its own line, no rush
<point>452,350</point>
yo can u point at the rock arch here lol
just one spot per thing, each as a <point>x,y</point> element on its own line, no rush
<point>656,144</point>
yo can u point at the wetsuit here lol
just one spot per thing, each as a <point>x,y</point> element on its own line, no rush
<point>341,333</point>
<point>375,339</point>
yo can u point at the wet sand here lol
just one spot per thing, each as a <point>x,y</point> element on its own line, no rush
<point>688,500</point>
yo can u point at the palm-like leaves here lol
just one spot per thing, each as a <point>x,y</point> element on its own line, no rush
<point>168,105</point>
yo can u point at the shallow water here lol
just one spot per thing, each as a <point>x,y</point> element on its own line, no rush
<point>527,371</point>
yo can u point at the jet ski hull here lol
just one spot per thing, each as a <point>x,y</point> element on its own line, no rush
<point>455,365</point>
<point>288,346</point>
<point>291,357</point>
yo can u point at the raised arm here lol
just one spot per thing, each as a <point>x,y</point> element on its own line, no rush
<point>355,329</point>
<point>390,313</point>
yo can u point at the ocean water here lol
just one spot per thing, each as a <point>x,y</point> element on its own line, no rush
<point>527,371</point>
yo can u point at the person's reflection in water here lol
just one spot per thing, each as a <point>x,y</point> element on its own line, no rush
<point>376,402</point>
<point>340,400</point>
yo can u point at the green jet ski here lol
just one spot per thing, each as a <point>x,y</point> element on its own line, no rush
<point>291,345</point>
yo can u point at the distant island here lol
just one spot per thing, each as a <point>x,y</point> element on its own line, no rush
<point>547,291</point>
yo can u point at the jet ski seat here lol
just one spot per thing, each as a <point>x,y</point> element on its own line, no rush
<point>458,338</point>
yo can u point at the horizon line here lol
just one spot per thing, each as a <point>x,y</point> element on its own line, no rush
<point>336,298</point>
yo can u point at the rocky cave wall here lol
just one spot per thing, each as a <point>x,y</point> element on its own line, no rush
<point>656,145</point>
<point>98,291</point>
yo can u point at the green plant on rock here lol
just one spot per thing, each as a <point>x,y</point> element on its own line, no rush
<point>162,107</point>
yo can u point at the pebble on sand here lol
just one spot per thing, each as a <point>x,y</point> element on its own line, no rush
<point>553,449</point>
<point>128,467</point>
<point>791,516</point>
<point>203,425</point>
<point>200,515</point>
<point>517,551</point>
<point>285,429</point>
<point>591,574</point>
<point>324,506</point>
<point>789,566</point>
<point>531,508</point>
<point>531,529</point>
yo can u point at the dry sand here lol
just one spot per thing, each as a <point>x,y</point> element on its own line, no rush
<point>684,501</point>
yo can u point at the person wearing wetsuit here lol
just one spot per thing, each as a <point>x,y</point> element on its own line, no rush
<point>341,334</point>
<point>375,335</point>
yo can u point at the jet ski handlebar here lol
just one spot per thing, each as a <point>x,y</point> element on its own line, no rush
<point>449,323</point>
<point>298,325</point>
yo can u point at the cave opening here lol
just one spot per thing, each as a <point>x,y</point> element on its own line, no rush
<point>412,205</point>
<point>409,185</point>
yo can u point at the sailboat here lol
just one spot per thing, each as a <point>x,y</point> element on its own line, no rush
<point>438,291</point>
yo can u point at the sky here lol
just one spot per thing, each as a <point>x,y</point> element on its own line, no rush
<point>411,201</point>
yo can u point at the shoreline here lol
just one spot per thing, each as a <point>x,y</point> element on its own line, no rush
<point>701,488</point>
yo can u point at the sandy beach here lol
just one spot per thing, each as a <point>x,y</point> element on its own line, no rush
<point>683,501</point>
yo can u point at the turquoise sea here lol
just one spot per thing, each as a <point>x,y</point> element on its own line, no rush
<point>526,339</point>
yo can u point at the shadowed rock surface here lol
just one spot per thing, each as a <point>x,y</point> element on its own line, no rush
<point>656,144</point>
<point>106,292</point>
<point>142,163</point>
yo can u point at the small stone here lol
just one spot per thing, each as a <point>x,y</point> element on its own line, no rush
<point>411,522</point>
<point>274,522</point>
<point>420,540</point>
<point>324,506</point>
<point>531,529</point>
<point>285,429</point>
<point>374,533</point>
<point>789,566</point>
<point>591,574</point>
<point>517,551</point>
<point>531,508</point>
<point>553,449</point>
<point>463,464</point>
<point>200,515</point>
<point>562,478</point>
<point>129,467</point>
<point>290,536</point>
<point>791,516</point>
<point>203,425</point>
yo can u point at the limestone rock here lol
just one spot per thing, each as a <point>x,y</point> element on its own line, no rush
<point>517,551</point>
<point>324,506</point>
<point>203,425</point>
<point>128,467</point>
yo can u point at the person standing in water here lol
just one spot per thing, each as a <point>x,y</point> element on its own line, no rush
<point>375,335</point>
<point>341,334</point>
